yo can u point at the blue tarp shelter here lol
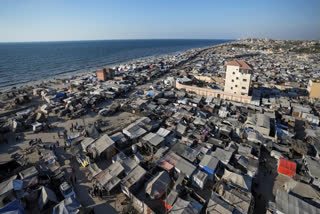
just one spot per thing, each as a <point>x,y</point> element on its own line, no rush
<point>15,207</point>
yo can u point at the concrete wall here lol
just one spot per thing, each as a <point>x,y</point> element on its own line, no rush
<point>214,93</point>
<point>236,82</point>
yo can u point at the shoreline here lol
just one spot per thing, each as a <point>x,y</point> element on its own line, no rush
<point>66,75</point>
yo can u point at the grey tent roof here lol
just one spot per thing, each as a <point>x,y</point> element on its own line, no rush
<point>241,181</point>
<point>222,155</point>
<point>108,177</point>
<point>185,151</point>
<point>185,207</point>
<point>289,204</point>
<point>302,189</point>
<point>67,206</point>
<point>216,205</point>
<point>163,132</point>
<point>29,172</point>
<point>135,175</point>
<point>153,139</point>
<point>93,170</point>
<point>46,195</point>
<point>185,167</point>
<point>157,185</point>
<point>209,161</point>
<point>240,201</point>
<point>7,185</point>
<point>102,144</point>
<point>86,142</point>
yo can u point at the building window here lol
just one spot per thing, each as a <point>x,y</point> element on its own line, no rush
<point>243,87</point>
<point>236,86</point>
<point>232,80</point>
<point>235,92</point>
<point>244,80</point>
<point>233,73</point>
<point>243,93</point>
<point>231,88</point>
<point>237,78</point>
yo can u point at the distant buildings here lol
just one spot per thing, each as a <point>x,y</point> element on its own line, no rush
<point>314,89</point>
<point>238,77</point>
<point>105,74</point>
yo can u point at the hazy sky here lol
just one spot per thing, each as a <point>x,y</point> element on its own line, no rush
<point>53,20</point>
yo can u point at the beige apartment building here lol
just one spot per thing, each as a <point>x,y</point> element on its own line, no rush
<point>314,89</point>
<point>238,78</point>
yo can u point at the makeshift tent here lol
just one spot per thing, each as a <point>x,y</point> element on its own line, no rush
<point>199,179</point>
<point>104,143</point>
<point>46,195</point>
<point>169,201</point>
<point>241,181</point>
<point>184,207</point>
<point>27,173</point>
<point>7,185</point>
<point>67,206</point>
<point>93,170</point>
<point>15,207</point>
<point>133,180</point>
<point>287,167</point>
<point>287,203</point>
<point>303,190</point>
<point>209,164</point>
<point>108,177</point>
<point>157,186</point>
<point>217,205</point>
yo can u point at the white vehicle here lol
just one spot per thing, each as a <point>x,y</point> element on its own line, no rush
<point>66,190</point>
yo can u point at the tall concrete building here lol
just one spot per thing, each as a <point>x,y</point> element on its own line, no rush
<point>105,74</point>
<point>314,89</point>
<point>238,78</point>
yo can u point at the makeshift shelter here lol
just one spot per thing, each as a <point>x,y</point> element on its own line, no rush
<point>157,186</point>
<point>209,164</point>
<point>222,155</point>
<point>67,206</point>
<point>184,207</point>
<point>287,167</point>
<point>103,147</point>
<point>108,179</point>
<point>287,203</point>
<point>153,140</point>
<point>217,205</point>
<point>28,173</point>
<point>93,170</point>
<point>7,185</point>
<point>46,195</point>
<point>302,190</point>
<point>133,180</point>
<point>243,182</point>
<point>169,201</point>
<point>15,207</point>
<point>199,179</point>
<point>86,142</point>
<point>242,202</point>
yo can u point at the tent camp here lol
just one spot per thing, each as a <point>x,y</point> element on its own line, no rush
<point>157,186</point>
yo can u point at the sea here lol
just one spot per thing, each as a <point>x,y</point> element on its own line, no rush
<point>25,62</point>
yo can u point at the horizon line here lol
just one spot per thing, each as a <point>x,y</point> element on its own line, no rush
<point>89,40</point>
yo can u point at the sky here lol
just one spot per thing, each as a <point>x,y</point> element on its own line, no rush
<point>64,20</point>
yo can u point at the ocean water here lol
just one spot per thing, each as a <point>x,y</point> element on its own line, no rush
<point>22,63</point>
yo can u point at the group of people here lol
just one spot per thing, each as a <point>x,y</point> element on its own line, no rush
<point>94,191</point>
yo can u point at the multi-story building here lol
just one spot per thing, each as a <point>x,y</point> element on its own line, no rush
<point>238,78</point>
<point>314,89</point>
<point>105,74</point>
